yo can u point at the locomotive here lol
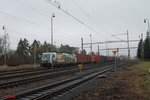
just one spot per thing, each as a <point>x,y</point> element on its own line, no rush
<point>57,59</point>
<point>53,59</point>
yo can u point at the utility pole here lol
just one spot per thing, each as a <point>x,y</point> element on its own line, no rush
<point>117,52</point>
<point>98,50</point>
<point>35,55</point>
<point>52,16</point>
<point>4,28</point>
<point>148,30</point>
<point>128,48</point>
<point>127,44</point>
<point>82,45</point>
<point>142,49</point>
<point>115,64</point>
<point>106,49</point>
<point>91,42</point>
<point>114,52</point>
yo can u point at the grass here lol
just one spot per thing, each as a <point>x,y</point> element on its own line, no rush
<point>132,83</point>
<point>143,67</point>
<point>26,66</point>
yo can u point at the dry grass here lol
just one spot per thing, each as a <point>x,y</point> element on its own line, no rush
<point>26,66</point>
<point>129,84</point>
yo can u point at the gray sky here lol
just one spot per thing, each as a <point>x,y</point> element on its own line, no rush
<point>31,19</point>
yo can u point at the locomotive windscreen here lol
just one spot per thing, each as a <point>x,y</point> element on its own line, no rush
<point>46,57</point>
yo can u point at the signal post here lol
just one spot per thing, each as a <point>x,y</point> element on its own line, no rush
<point>115,52</point>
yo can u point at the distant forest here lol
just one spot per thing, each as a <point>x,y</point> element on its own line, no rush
<point>25,52</point>
<point>143,52</point>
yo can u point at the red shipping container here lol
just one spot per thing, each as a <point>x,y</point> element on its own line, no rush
<point>97,59</point>
<point>81,58</point>
<point>92,58</point>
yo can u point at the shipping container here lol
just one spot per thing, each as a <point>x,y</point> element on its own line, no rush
<point>81,58</point>
<point>103,59</point>
<point>109,59</point>
<point>95,59</point>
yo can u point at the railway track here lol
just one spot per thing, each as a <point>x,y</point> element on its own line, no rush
<point>11,84</point>
<point>28,73</point>
<point>6,72</point>
<point>6,75</point>
<point>50,74</point>
<point>49,91</point>
<point>24,70</point>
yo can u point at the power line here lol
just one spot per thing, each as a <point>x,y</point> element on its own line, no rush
<point>19,1</point>
<point>119,48</point>
<point>21,19</point>
<point>58,6</point>
<point>60,9</point>
<point>89,16</point>
<point>111,42</point>
<point>83,10</point>
<point>117,37</point>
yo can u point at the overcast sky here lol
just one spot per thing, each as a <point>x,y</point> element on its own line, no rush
<point>31,19</point>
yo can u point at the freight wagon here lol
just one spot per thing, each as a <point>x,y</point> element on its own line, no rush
<point>82,58</point>
<point>63,59</point>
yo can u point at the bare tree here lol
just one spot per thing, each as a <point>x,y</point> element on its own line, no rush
<point>1,46</point>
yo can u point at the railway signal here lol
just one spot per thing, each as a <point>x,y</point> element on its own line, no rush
<point>80,66</point>
<point>115,52</point>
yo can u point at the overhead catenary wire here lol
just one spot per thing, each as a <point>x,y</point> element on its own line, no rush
<point>21,2</point>
<point>90,17</point>
<point>21,19</point>
<point>28,21</point>
<point>58,6</point>
<point>24,20</point>
<point>118,38</point>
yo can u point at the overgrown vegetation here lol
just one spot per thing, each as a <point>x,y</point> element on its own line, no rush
<point>144,68</point>
<point>144,48</point>
<point>132,83</point>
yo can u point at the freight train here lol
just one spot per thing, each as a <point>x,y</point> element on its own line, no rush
<point>54,59</point>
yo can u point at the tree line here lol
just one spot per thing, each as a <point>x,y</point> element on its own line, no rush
<point>143,51</point>
<point>25,52</point>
